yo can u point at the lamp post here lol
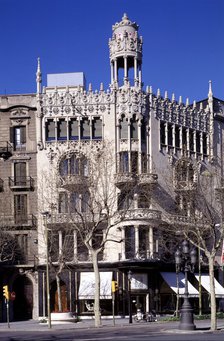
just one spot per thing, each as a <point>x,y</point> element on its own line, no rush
<point>45,216</point>
<point>186,260</point>
<point>129,295</point>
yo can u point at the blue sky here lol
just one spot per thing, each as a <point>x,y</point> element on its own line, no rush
<point>183,42</point>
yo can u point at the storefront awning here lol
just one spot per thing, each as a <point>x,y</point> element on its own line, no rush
<point>177,282</point>
<point>87,285</point>
<point>205,282</point>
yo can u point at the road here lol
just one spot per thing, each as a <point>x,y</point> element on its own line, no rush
<point>122,331</point>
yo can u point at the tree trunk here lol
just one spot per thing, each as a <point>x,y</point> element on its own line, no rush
<point>211,260</point>
<point>97,290</point>
<point>59,293</point>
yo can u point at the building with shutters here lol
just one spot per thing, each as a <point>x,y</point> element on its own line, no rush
<point>52,134</point>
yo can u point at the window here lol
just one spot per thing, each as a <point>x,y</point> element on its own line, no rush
<point>162,133</point>
<point>144,163</point>
<point>20,209</point>
<point>20,174</point>
<point>134,128</point>
<point>79,202</point>
<point>124,168</point>
<point>74,165</point>
<point>50,130</point>
<point>129,242</point>
<point>125,200</point>
<point>143,241</point>
<point>123,128</point>
<point>73,129</point>
<point>62,130</point>
<point>177,137</point>
<point>22,242</point>
<point>143,200</point>
<point>205,150</point>
<point>134,162</point>
<point>97,128</point>
<point>170,135</point>
<point>85,129</point>
<point>63,203</point>
<point>191,140</point>
<point>198,142</point>
<point>18,137</point>
<point>143,130</point>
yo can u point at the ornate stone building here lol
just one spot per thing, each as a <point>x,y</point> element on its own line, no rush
<point>152,140</point>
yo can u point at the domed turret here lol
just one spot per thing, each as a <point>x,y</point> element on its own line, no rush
<point>125,53</point>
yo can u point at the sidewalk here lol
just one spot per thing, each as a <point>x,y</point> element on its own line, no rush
<point>165,326</point>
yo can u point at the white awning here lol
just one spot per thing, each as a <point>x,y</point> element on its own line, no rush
<point>87,285</point>
<point>177,282</point>
<point>205,282</point>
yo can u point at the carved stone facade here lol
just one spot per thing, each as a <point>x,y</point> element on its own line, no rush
<point>151,138</point>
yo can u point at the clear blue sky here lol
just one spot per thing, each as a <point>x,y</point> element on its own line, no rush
<point>183,42</point>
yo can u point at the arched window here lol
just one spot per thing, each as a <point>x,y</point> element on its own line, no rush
<point>74,165</point>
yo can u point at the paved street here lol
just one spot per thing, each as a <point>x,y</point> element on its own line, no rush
<point>85,331</point>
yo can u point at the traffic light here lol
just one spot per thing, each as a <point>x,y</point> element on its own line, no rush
<point>114,286</point>
<point>6,292</point>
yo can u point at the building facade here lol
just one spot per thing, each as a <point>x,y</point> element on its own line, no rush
<point>48,139</point>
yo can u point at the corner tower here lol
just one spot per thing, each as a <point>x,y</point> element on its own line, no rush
<point>125,54</point>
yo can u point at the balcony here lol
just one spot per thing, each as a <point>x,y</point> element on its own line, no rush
<point>5,149</point>
<point>145,179</point>
<point>184,186</point>
<point>21,183</point>
<point>145,214</point>
<point>25,221</point>
<point>124,179</point>
<point>71,182</point>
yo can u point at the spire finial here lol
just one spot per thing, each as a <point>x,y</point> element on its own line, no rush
<point>210,94</point>
<point>38,76</point>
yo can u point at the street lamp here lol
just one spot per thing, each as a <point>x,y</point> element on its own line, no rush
<point>45,216</point>
<point>186,260</point>
<point>129,295</point>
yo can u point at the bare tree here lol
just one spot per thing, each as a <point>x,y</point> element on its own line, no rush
<point>198,215</point>
<point>88,203</point>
